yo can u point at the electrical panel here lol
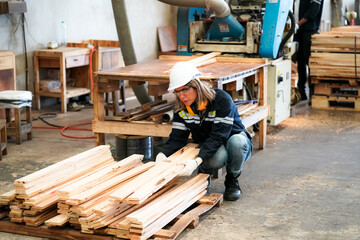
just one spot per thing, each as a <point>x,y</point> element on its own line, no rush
<point>279,91</point>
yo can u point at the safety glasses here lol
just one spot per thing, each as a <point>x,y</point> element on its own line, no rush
<point>183,91</point>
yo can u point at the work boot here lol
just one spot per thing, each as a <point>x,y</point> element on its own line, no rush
<point>232,188</point>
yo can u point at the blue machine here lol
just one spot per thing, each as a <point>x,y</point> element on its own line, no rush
<point>227,30</point>
<point>184,16</point>
<point>276,13</point>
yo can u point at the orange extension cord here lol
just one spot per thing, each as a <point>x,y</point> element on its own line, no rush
<point>70,127</point>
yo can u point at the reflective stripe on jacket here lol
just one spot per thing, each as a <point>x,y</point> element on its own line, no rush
<point>210,128</point>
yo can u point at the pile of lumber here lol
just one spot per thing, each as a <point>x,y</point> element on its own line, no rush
<point>94,193</point>
<point>335,68</point>
<point>334,54</point>
<point>152,111</point>
<point>36,195</point>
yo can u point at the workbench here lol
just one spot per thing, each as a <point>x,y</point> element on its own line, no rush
<point>226,73</point>
<point>63,58</point>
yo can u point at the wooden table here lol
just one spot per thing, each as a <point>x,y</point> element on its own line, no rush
<point>226,73</point>
<point>76,59</point>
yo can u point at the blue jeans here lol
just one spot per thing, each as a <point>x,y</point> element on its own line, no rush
<point>237,151</point>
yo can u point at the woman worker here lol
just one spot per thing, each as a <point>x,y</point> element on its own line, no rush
<point>211,117</point>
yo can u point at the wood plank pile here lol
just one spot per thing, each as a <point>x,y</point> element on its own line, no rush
<point>92,192</point>
<point>251,113</point>
<point>153,111</point>
<point>335,66</point>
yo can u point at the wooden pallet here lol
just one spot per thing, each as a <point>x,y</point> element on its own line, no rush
<point>336,80</point>
<point>46,232</point>
<point>336,103</point>
<point>190,219</point>
<point>336,90</point>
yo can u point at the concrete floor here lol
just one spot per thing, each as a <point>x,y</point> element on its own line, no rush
<point>304,185</point>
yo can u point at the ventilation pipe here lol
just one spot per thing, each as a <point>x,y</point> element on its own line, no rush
<point>220,7</point>
<point>127,48</point>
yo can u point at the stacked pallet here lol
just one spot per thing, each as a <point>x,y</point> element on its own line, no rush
<point>335,66</point>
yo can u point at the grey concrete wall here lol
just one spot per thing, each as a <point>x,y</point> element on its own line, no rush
<point>85,19</point>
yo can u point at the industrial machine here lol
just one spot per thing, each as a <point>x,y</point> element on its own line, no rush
<point>244,28</point>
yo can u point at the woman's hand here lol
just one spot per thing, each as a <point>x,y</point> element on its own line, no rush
<point>190,166</point>
<point>161,158</point>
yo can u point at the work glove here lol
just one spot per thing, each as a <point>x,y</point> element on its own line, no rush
<point>161,158</point>
<point>190,166</point>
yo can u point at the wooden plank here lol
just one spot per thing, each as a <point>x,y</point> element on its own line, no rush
<point>45,232</point>
<point>167,38</point>
<point>59,220</point>
<point>138,182</point>
<point>150,187</point>
<point>133,128</point>
<point>255,116</point>
<point>157,70</point>
<point>93,192</point>
<point>102,175</point>
<point>197,61</point>
<point>153,211</point>
<point>62,164</point>
<point>7,197</point>
<point>40,219</point>
<point>336,103</point>
<point>165,219</point>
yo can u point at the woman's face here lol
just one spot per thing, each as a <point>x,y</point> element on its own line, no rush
<point>186,94</point>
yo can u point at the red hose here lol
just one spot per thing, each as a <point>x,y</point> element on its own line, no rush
<point>78,124</point>
<point>69,127</point>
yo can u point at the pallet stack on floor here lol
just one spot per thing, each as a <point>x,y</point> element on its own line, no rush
<point>335,69</point>
<point>94,193</point>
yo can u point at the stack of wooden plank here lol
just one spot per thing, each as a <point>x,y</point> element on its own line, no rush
<point>335,67</point>
<point>36,194</point>
<point>94,193</point>
<point>149,219</point>
<point>153,111</point>
<point>5,200</point>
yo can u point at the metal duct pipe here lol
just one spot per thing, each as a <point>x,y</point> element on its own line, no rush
<point>127,48</point>
<point>220,7</point>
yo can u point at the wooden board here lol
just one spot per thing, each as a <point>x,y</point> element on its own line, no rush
<point>45,232</point>
<point>329,89</point>
<point>158,70</point>
<point>336,103</point>
<point>167,38</point>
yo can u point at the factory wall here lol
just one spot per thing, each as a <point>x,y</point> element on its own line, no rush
<point>85,19</point>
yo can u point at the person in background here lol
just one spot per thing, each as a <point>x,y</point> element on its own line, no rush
<point>309,22</point>
<point>211,117</point>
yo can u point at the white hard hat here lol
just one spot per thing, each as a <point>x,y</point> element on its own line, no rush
<point>181,74</point>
